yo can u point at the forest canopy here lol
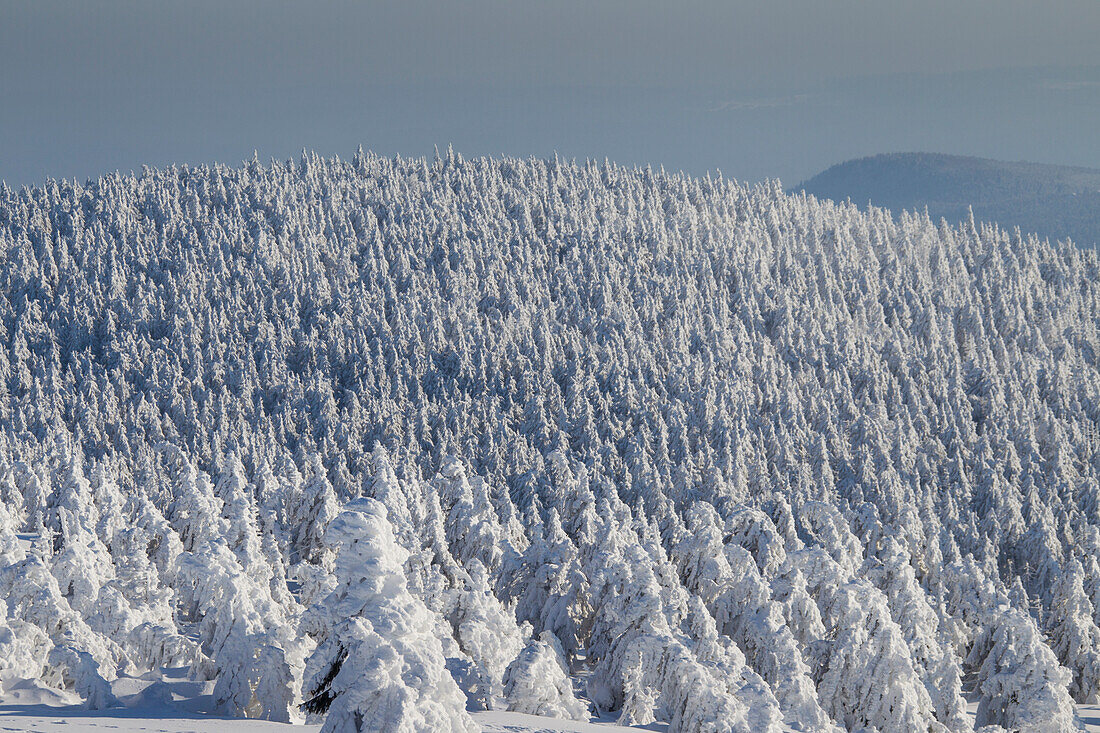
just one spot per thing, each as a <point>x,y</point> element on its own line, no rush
<point>388,440</point>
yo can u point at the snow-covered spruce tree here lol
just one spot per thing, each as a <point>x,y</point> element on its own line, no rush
<point>971,593</point>
<point>110,503</point>
<point>1075,638</point>
<point>378,666</point>
<point>867,677</point>
<point>76,670</point>
<point>163,546</point>
<point>487,633</point>
<point>23,648</point>
<point>642,642</point>
<point>865,673</point>
<point>1022,686</point>
<point>929,649</point>
<point>241,515</point>
<point>537,682</point>
<point>244,635</point>
<point>474,532</point>
<point>54,639</point>
<point>403,511</point>
<point>23,645</point>
<point>195,511</point>
<point>728,582</point>
<point>309,511</point>
<point>801,613</point>
<point>83,564</point>
<point>119,592</point>
<point>554,589</point>
<point>753,530</point>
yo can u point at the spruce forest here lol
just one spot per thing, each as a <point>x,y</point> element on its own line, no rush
<point>383,443</point>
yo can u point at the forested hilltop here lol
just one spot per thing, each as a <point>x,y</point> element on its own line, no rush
<point>1057,201</point>
<point>388,440</point>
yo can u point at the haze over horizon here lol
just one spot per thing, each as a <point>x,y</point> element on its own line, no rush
<point>783,90</point>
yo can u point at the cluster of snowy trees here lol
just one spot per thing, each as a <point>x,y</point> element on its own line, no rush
<point>387,441</point>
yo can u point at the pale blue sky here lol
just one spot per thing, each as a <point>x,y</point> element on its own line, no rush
<point>757,89</point>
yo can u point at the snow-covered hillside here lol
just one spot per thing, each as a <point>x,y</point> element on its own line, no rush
<point>389,443</point>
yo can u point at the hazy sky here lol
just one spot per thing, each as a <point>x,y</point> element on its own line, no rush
<point>758,89</point>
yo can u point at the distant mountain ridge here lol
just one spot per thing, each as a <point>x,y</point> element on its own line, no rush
<point>1053,201</point>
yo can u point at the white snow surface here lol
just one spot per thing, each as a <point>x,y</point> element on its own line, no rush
<point>24,717</point>
<point>170,703</point>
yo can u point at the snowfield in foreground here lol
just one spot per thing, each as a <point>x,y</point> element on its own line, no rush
<point>415,445</point>
<point>23,719</point>
<point>498,722</point>
<point>172,704</point>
